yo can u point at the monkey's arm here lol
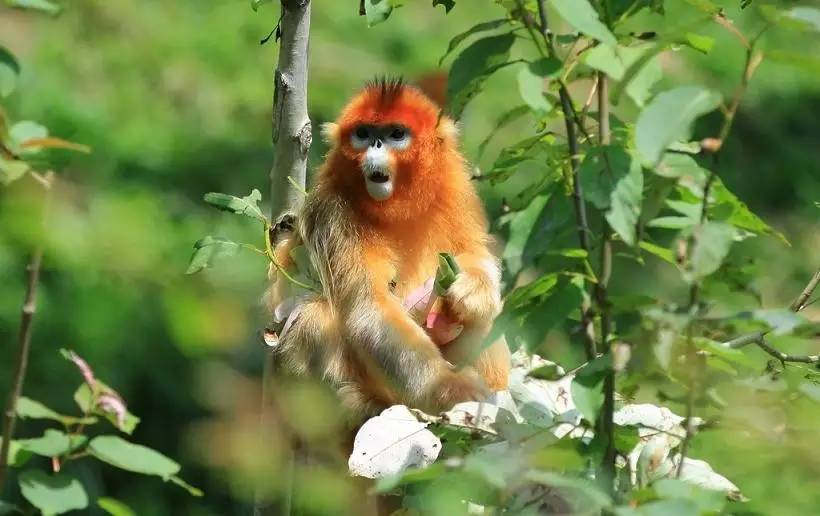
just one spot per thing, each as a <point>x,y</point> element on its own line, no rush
<point>475,296</point>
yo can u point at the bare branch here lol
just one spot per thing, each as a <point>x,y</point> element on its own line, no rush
<point>802,300</point>
<point>24,340</point>
<point>783,357</point>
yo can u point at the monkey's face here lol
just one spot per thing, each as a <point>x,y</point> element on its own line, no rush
<point>377,147</point>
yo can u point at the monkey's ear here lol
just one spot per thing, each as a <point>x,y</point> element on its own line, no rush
<point>330,133</point>
<point>447,128</point>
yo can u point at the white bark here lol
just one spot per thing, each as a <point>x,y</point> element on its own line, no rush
<point>291,125</point>
<point>291,140</point>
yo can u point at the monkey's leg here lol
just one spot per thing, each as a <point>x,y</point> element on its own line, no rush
<point>312,345</point>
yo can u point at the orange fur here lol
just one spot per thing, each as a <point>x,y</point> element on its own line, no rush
<point>373,253</point>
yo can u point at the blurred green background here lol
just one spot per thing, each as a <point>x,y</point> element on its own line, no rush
<point>174,99</point>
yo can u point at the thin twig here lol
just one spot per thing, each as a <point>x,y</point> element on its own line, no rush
<point>605,420</point>
<point>713,145</point>
<point>24,340</point>
<point>802,300</point>
<point>578,204</point>
<point>783,357</point>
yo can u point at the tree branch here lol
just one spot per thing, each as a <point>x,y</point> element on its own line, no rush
<point>713,145</point>
<point>24,339</point>
<point>292,137</point>
<point>578,204</point>
<point>605,421</point>
<point>802,300</point>
<point>783,357</point>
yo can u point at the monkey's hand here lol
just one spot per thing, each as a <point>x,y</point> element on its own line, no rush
<point>458,386</point>
<point>475,295</point>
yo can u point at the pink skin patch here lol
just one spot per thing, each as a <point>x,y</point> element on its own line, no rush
<point>426,309</point>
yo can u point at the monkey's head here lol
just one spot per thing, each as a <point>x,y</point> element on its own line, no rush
<point>389,144</point>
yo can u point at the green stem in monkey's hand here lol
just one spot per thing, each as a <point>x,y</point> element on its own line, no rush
<point>446,273</point>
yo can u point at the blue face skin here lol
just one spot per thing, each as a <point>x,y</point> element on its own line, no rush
<point>377,142</point>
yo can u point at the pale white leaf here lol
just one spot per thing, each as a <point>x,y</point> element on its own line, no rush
<point>391,443</point>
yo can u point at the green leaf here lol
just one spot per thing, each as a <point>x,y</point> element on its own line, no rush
<point>668,117</point>
<point>700,43</point>
<point>28,408</point>
<point>83,398</point>
<point>376,11</point>
<point>448,4</point>
<point>661,252</point>
<point>570,253</point>
<point>675,165</point>
<point>615,62</point>
<point>208,250</point>
<point>807,18</point>
<point>52,494</point>
<point>625,203</point>
<point>11,170</point>
<point>248,205</point>
<point>583,17</point>
<point>708,501</point>
<point>475,29</point>
<point>256,4</point>
<point>734,357</point>
<point>25,130</point>
<point>597,179</point>
<point>36,5</point>
<point>661,508</point>
<point>53,443</point>
<point>549,372</point>
<point>800,61</point>
<point>531,79</point>
<point>17,455</point>
<point>473,66</point>
<point>524,294</point>
<point>522,227</point>
<point>587,387</point>
<point>511,157</point>
<point>114,507</point>
<point>586,488</point>
<point>564,299</point>
<point>728,208</point>
<point>506,118</point>
<point>9,70</point>
<point>712,243</point>
<point>626,438</point>
<point>613,180</point>
<point>132,457</point>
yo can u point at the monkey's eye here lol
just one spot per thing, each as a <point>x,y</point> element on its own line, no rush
<point>362,132</point>
<point>398,133</point>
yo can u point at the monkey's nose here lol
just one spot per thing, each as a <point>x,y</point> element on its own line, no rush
<point>378,144</point>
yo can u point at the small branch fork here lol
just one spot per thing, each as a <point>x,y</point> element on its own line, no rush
<point>759,338</point>
<point>24,340</point>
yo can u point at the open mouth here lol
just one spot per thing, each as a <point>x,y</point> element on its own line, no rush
<point>379,185</point>
<point>378,177</point>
